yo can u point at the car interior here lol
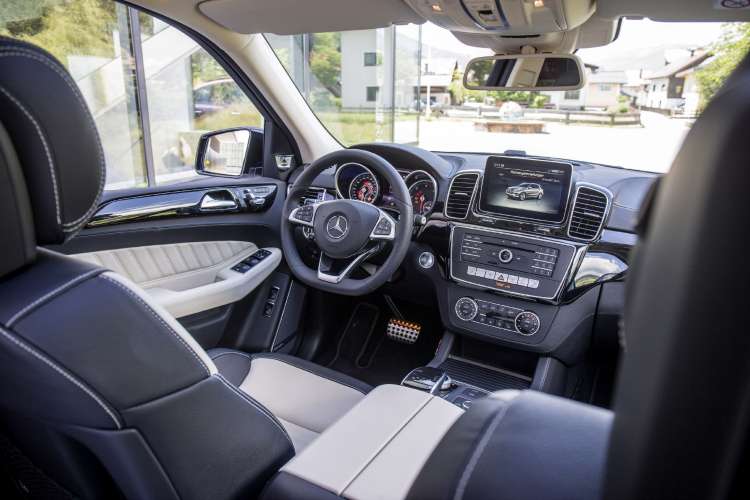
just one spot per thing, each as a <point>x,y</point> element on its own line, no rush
<point>305,319</point>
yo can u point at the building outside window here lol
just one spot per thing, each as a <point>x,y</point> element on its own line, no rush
<point>151,89</point>
<point>372,59</point>
<point>372,94</point>
<point>327,68</point>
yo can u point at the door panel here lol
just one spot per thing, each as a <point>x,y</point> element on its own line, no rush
<point>189,278</point>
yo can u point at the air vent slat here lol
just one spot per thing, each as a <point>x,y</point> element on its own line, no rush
<point>589,212</point>
<point>459,197</point>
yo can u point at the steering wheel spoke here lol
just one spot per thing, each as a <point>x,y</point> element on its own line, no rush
<point>332,270</point>
<point>304,215</point>
<point>385,228</point>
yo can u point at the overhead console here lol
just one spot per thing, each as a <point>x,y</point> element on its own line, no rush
<point>508,17</point>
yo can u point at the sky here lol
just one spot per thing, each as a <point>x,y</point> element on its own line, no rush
<point>641,43</point>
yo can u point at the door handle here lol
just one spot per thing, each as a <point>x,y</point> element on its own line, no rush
<point>217,201</point>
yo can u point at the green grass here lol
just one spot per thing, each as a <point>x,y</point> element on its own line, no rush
<point>353,127</point>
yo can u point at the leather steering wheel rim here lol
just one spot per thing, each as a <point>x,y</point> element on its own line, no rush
<point>403,228</point>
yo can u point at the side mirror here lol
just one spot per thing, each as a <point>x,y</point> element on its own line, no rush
<point>229,152</point>
<point>525,72</point>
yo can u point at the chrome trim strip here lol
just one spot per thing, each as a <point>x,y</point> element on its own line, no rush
<point>471,198</point>
<point>579,250</point>
<point>607,194</point>
<point>338,278</point>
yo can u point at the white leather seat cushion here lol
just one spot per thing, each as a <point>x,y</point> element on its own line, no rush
<point>304,402</point>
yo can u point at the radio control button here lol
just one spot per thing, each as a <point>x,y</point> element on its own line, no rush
<point>471,270</point>
<point>512,279</point>
<point>533,283</point>
<point>505,256</point>
<point>523,281</point>
<point>490,275</point>
<point>480,273</point>
<point>501,277</point>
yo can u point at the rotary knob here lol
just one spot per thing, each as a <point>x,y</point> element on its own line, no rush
<point>505,256</point>
<point>466,309</point>
<point>527,323</point>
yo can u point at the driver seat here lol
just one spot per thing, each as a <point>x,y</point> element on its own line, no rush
<point>103,390</point>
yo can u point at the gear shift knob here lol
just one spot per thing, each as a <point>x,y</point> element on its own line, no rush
<point>428,378</point>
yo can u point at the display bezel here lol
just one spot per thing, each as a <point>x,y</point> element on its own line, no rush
<point>553,218</point>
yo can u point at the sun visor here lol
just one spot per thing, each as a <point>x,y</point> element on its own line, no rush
<point>290,17</point>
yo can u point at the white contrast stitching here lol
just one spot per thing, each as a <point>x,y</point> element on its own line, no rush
<point>472,463</point>
<point>51,294</point>
<point>227,353</point>
<point>23,52</point>
<point>265,411</point>
<point>62,372</point>
<point>160,319</point>
<point>46,149</point>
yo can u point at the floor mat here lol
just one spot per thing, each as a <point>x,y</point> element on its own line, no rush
<point>365,352</point>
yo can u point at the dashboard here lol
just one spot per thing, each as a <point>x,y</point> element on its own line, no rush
<point>514,248</point>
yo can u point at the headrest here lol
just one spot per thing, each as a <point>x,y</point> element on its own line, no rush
<point>54,138</point>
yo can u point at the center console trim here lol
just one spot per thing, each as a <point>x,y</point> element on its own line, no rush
<point>579,251</point>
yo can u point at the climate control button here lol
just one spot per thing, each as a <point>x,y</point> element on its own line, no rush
<point>466,309</point>
<point>527,323</point>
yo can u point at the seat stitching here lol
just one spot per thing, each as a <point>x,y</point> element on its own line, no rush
<point>272,357</point>
<point>255,404</point>
<point>46,149</point>
<point>478,452</point>
<point>236,353</point>
<point>62,371</point>
<point>51,294</point>
<point>23,52</point>
<point>160,319</point>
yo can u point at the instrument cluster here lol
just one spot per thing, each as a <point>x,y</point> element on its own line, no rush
<point>357,182</point>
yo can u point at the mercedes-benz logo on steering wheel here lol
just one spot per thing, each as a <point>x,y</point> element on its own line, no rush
<point>337,227</point>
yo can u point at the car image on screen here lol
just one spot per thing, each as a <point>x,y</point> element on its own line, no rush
<point>525,191</point>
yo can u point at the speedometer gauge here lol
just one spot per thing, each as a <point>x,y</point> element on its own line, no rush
<point>422,192</point>
<point>364,187</point>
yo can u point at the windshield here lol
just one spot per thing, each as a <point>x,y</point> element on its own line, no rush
<point>404,84</point>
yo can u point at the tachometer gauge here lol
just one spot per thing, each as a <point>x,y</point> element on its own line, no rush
<point>364,187</point>
<point>422,191</point>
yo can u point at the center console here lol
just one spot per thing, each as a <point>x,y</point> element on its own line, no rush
<point>517,265</point>
<point>375,451</point>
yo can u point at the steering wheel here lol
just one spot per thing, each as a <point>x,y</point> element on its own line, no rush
<point>347,232</point>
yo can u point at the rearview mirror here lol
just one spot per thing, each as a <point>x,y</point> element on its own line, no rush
<point>525,72</point>
<point>228,152</point>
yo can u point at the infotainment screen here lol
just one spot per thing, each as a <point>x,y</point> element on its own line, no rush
<point>526,187</point>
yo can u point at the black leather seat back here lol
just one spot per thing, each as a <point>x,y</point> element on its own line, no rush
<point>99,387</point>
<point>684,388</point>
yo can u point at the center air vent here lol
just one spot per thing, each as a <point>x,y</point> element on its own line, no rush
<point>589,211</point>
<point>459,196</point>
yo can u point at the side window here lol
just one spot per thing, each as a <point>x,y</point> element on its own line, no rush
<point>152,90</point>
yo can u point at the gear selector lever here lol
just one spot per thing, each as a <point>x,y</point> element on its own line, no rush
<point>428,378</point>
